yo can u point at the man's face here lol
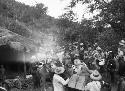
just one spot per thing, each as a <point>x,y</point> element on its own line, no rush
<point>120,52</point>
<point>53,66</point>
<point>77,62</point>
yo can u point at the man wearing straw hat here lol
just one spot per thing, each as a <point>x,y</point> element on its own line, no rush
<point>122,45</point>
<point>95,85</point>
<point>121,58</point>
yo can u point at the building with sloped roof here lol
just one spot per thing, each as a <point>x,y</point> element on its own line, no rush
<point>15,49</point>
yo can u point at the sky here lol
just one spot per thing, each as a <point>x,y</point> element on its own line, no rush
<point>56,7</point>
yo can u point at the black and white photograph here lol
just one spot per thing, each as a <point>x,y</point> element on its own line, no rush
<point>62,45</point>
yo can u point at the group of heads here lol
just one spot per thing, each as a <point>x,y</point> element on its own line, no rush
<point>58,68</point>
<point>95,74</point>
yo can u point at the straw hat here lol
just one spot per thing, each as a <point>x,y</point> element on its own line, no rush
<point>122,42</point>
<point>96,75</point>
<point>59,70</point>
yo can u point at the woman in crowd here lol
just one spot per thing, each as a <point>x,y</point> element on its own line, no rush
<point>58,80</point>
<point>81,78</point>
<point>81,69</point>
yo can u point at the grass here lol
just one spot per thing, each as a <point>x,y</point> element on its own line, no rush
<point>30,88</point>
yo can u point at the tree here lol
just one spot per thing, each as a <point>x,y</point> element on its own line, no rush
<point>68,28</point>
<point>112,12</point>
<point>106,28</point>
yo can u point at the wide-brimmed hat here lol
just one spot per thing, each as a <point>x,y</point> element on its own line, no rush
<point>122,42</point>
<point>59,70</point>
<point>96,75</point>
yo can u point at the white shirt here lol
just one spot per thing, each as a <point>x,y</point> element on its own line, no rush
<point>93,86</point>
<point>59,82</point>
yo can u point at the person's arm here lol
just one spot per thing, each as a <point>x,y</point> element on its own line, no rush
<point>87,69</point>
<point>61,80</point>
<point>90,71</point>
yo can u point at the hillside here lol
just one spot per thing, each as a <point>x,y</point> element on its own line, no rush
<point>29,22</point>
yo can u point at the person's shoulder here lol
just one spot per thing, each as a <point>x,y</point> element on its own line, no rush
<point>90,83</point>
<point>97,83</point>
<point>56,76</point>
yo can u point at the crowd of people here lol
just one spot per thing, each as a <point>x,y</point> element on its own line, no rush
<point>83,68</point>
<point>93,69</point>
<point>82,78</point>
<point>88,68</point>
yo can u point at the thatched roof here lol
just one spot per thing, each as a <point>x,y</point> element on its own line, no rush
<point>16,40</point>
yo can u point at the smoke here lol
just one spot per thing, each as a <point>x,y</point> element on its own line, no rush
<point>49,49</point>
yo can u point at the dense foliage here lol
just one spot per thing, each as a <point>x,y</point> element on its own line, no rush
<point>19,17</point>
<point>106,28</point>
